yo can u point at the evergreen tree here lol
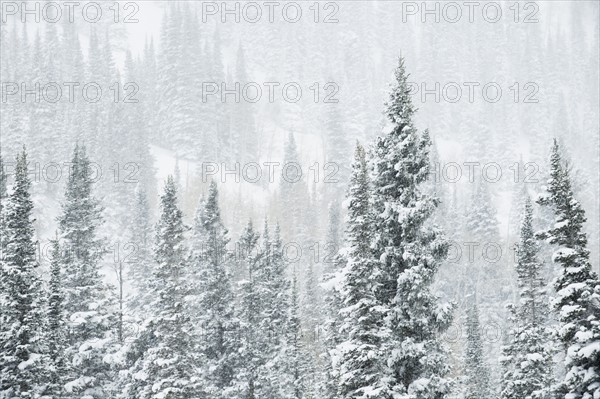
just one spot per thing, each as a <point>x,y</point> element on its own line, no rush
<point>3,197</point>
<point>86,304</point>
<point>275,297</point>
<point>477,373</point>
<point>251,351</point>
<point>56,332</point>
<point>294,354</point>
<point>527,360</point>
<point>216,320</point>
<point>21,320</point>
<point>292,190</point>
<point>577,287</point>
<point>332,301</point>
<point>337,149</point>
<point>3,184</point>
<point>141,267</point>
<point>361,364</point>
<point>410,254</point>
<point>167,367</point>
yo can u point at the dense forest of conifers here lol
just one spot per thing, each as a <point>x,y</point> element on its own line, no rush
<point>437,249</point>
<point>212,325</point>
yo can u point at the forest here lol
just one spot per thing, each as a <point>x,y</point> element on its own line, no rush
<point>335,200</point>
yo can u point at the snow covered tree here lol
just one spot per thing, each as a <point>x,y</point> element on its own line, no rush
<point>294,354</point>
<point>21,320</point>
<point>141,266</point>
<point>56,327</point>
<point>332,303</point>
<point>333,240</point>
<point>337,148</point>
<point>360,363</point>
<point>167,368</point>
<point>3,183</point>
<point>216,320</point>
<point>527,359</point>
<point>292,190</point>
<point>3,197</point>
<point>476,369</point>
<point>87,301</point>
<point>252,353</point>
<point>410,254</point>
<point>577,287</point>
<point>483,230</point>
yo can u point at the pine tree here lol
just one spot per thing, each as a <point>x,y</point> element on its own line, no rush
<point>275,297</point>
<point>3,184</point>
<point>292,190</point>
<point>216,319</point>
<point>527,360</point>
<point>21,320</point>
<point>252,353</point>
<point>337,149</point>
<point>332,301</point>
<point>477,373</point>
<point>87,301</point>
<point>361,364</point>
<point>577,287</point>
<point>410,254</point>
<point>3,197</point>
<point>482,228</point>
<point>141,267</point>
<point>294,354</point>
<point>56,333</point>
<point>167,367</point>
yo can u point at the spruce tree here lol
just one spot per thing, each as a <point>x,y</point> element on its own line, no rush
<point>216,320</point>
<point>3,184</point>
<point>3,198</point>
<point>56,327</point>
<point>21,320</point>
<point>294,354</point>
<point>361,364</point>
<point>527,359</point>
<point>252,353</point>
<point>142,265</point>
<point>87,301</point>
<point>167,368</point>
<point>275,305</point>
<point>410,254</point>
<point>578,290</point>
<point>332,303</point>
<point>477,372</point>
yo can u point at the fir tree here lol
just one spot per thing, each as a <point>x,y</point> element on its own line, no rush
<point>294,354</point>
<point>216,320</point>
<point>275,307</point>
<point>410,254</point>
<point>141,267</point>
<point>251,351</point>
<point>332,303</point>
<point>577,287</point>
<point>56,333</point>
<point>167,367</point>
<point>86,304</point>
<point>3,197</point>
<point>21,319</point>
<point>477,373</point>
<point>527,360</point>
<point>360,361</point>
<point>3,184</point>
